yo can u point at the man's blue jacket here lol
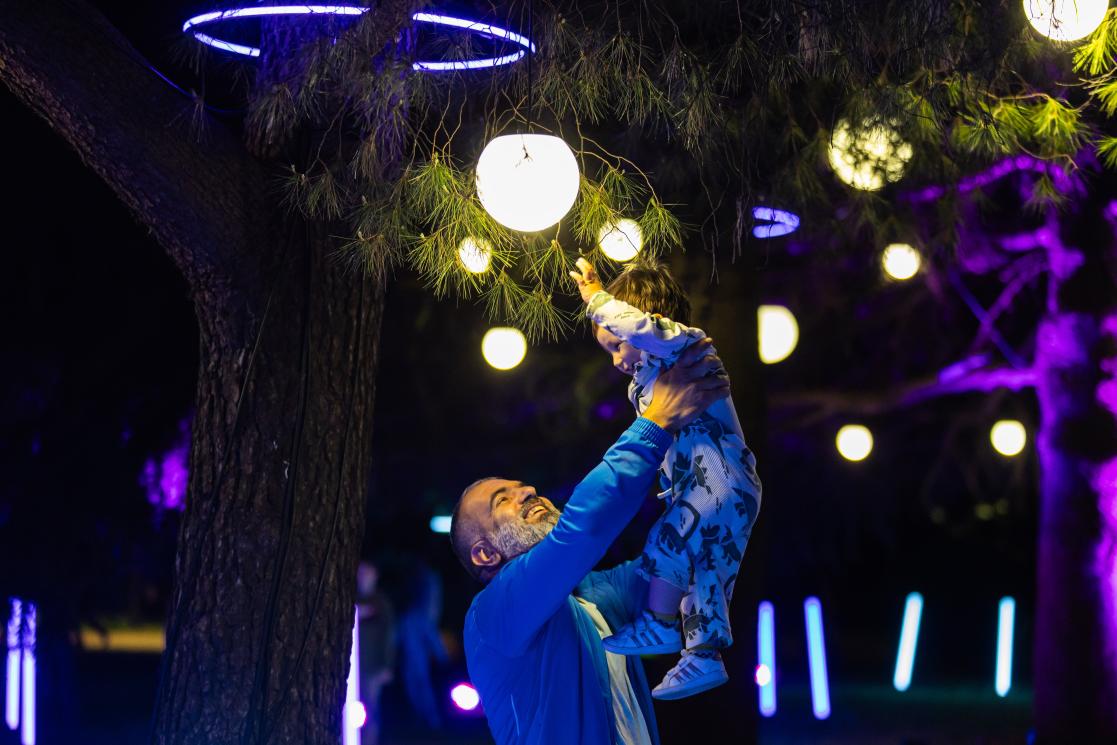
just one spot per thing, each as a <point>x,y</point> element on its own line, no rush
<point>533,654</point>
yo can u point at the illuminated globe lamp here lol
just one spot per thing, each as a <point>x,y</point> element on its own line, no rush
<point>778,333</point>
<point>763,675</point>
<point>475,254</point>
<point>465,697</point>
<point>900,261</point>
<point>1065,20</point>
<point>854,442</point>
<point>869,156</point>
<point>527,182</point>
<point>503,347</point>
<point>1008,437</point>
<point>621,240</point>
<point>355,714</point>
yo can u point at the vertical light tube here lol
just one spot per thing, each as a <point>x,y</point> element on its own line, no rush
<point>11,679</point>
<point>909,636</point>
<point>816,657</point>
<point>27,722</point>
<point>766,656</point>
<point>1006,618</point>
<point>351,732</point>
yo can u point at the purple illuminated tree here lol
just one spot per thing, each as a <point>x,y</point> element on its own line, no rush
<point>1065,255</point>
<point>726,101</point>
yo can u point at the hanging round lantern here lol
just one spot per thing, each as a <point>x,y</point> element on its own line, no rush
<point>854,442</point>
<point>778,333</point>
<point>503,347</point>
<point>621,240</point>
<point>900,261</point>
<point>475,254</point>
<point>1065,20</point>
<point>527,182</point>
<point>1008,437</point>
<point>869,156</point>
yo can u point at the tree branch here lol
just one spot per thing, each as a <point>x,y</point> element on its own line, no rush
<point>202,202</point>
<point>966,376</point>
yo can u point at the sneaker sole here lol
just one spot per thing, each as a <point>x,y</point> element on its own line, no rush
<point>666,648</point>
<point>694,687</point>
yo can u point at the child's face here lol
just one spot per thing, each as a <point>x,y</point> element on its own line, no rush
<point>625,356</point>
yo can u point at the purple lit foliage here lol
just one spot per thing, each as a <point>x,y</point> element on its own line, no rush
<point>164,477</point>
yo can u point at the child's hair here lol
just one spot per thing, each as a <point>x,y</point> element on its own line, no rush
<point>651,288</point>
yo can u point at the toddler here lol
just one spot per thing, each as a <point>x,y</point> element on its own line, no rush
<point>709,479</point>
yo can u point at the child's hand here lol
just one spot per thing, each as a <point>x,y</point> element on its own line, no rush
<point>586,279</point>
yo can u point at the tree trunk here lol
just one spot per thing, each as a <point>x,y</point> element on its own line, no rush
<point>259,635</point>
<point>1075,663</point>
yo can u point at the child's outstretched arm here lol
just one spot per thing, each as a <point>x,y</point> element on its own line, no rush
<point>649,332</point>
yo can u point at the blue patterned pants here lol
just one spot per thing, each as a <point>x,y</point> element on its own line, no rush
<point>698,542</point>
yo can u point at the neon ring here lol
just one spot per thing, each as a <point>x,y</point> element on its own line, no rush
<point>476,27</point>
<point>773,222</point>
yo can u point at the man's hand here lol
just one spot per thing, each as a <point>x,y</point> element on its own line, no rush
<point>688,388</point>
<point>587,280</point>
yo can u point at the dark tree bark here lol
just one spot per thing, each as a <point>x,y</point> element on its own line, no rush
<point>259,633</point>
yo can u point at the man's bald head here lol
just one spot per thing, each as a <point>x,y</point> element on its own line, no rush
<point>465,528</point>
<point>497,519</point>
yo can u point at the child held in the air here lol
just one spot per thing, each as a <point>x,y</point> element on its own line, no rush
<point>712,492</point>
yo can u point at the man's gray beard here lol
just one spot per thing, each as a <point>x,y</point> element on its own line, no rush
<point>517,536</point>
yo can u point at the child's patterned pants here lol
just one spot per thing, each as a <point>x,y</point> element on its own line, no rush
<point>697,544</point>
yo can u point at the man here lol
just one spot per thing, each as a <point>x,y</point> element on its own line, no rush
<point>533,634</point>
<point>376,630</point>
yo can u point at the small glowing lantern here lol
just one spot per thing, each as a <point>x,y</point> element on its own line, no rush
<point>763,675</point>
<point>621,240</point>
<point>855,442</point>
<point>504,347</point>
<point>1065,20</point>
<point>475,254</point>
<point>778,332</point>
<point>900,261</point>
<point>465,697</point>
<point>527,182</point>
<point>869,156</point>
<point>1008,437</point>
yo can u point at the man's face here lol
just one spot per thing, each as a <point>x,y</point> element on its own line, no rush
<point>512,516</point>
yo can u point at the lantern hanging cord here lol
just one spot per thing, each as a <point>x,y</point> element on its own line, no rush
<point>531,53</point>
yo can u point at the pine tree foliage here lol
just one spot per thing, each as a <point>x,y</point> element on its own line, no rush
<point>715,103</point>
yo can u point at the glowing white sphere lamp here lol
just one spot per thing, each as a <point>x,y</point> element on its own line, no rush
<point>854,442</point>
<point>475,254</point>
<point>527,182</point>
<point>503,347</point>
<point>869,156</point>
<point>465,697</point>
<point>900,261</point>
<point>621,240</point>
<point>778,332</point>
<point>1065,20</point>
<point>1008,437</point>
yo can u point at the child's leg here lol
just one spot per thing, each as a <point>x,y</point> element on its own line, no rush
<point>663,598</point>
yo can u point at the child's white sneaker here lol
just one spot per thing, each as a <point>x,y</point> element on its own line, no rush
<point>646,635</point>
<point>694,673</point>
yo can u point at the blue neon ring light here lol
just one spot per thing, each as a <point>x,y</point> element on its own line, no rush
<point>483,29</point>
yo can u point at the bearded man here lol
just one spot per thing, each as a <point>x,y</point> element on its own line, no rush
<point>533,633</point>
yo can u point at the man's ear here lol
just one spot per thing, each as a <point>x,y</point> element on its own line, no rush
<point>483,554</point>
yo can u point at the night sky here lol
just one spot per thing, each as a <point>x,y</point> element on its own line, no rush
<point>100,357</point>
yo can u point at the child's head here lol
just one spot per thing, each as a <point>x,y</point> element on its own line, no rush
<point>648,287</point>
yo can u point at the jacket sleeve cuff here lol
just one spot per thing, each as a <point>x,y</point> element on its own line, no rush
<point>657,436</point>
